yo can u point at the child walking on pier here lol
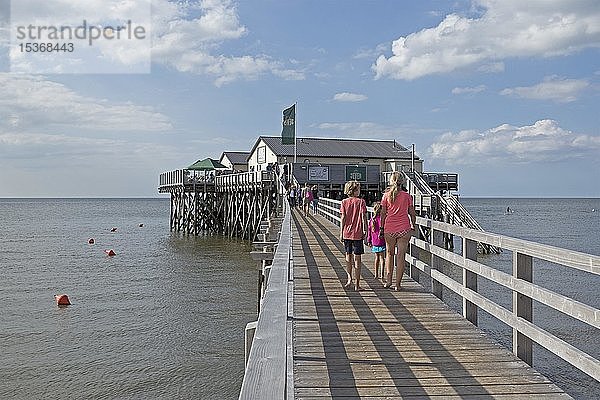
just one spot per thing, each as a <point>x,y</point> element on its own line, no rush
<point>376,242</point>
<point>353,229</point>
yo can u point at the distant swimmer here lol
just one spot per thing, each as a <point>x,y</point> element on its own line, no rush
<point>113,229</point>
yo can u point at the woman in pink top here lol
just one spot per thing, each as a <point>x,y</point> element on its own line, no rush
<point>396,226</point>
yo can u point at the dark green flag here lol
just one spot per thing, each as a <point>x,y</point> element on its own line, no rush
<point>288,134</point>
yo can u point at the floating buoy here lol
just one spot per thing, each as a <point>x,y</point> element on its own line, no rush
<point>110,252</point>
<point>113,229</point>
<point>62,300</point>
<point>141,225</point>
<point>91,241</point>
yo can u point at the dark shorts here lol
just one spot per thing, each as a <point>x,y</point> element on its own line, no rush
<point>354,246</point>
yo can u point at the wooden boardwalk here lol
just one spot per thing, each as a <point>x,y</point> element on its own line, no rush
<point>384,344</point>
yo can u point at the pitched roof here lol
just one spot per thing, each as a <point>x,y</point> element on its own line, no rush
<point>236,157</point>
<point>328,147</point>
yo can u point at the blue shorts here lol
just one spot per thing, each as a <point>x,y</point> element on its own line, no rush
<point>378,249</point>
<point>354,246</point>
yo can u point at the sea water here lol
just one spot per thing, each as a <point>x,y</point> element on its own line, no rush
<point>165,317</point>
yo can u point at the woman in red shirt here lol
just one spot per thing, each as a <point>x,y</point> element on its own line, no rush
<point>396,227</point>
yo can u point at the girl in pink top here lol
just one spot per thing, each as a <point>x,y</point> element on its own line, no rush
<point>396,227</point>
<point>377,243</point>
<point>353,230</point>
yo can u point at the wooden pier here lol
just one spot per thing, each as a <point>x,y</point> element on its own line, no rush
<point>231,205</point>
<point>315,339</point>
<point>381,343</point>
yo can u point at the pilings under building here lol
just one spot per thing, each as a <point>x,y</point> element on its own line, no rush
<point>230,205</point>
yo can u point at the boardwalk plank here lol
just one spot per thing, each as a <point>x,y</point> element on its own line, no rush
<point>384,344</point>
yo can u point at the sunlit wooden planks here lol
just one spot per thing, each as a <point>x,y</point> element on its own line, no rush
<point>383,344</point>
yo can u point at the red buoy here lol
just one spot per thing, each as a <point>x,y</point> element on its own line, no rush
<point>62,300</point>
<point>91,241</point>
<point>110,252</point>
<point>113,229</point>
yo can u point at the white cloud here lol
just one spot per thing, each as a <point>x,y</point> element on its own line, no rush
<point>561,90</point>
<point>505,29</point>
<point>349,97</point>
<point>468,90</point>
<point>370,53</point>
<point>188,44</point>
<point>31,102</point>
<point>185,35</point>
<point>543,141</point>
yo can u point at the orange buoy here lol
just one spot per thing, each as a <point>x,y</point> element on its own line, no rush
<point>113,229</point>
<point>91,241</point>
<point>62,300</point>
<point>110,252</point>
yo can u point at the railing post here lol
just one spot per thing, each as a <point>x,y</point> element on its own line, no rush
<point>469,280</point>
<point>248,338</point>
<point>414,252</point>
<point>522,307</point>
<point>437,238</point>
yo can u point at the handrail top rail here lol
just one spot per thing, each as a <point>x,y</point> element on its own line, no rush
<point>570,258</point>
<point>265,375</point>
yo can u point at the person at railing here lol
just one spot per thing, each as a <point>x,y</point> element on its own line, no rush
<point>353,230</point>
<point>396,227</point>
<point>376,242</point>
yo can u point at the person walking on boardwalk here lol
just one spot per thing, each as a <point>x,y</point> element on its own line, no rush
<point>353,229</point>
<point>396,227</point>
<point>292,196</point>
<point>308,198</point>
<point>315,201</point>
<point>376,242</point>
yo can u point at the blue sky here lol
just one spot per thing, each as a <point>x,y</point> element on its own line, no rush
<point>504,93</point>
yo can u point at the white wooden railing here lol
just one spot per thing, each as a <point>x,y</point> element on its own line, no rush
<point>427,257</point>
<point>269,365</point>
<point>223,179</point>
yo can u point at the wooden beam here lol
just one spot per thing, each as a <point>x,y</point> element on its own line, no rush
<point>522,307</point>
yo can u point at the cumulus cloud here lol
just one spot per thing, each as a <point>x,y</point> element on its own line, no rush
<point>543,141</point>
<point>553,88</point>
<point>187,36</point>
<point>468,90</point>
<point>28,102</point>
<point>188,44</point>
<point>504,29</point>
<point>349,97</point>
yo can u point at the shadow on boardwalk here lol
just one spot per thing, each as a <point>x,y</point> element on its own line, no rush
<point>385,344</point>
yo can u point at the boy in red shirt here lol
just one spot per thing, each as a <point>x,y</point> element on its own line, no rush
<point>353,230</point>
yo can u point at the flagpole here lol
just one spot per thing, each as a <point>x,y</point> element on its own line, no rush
<point>295,123</point>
